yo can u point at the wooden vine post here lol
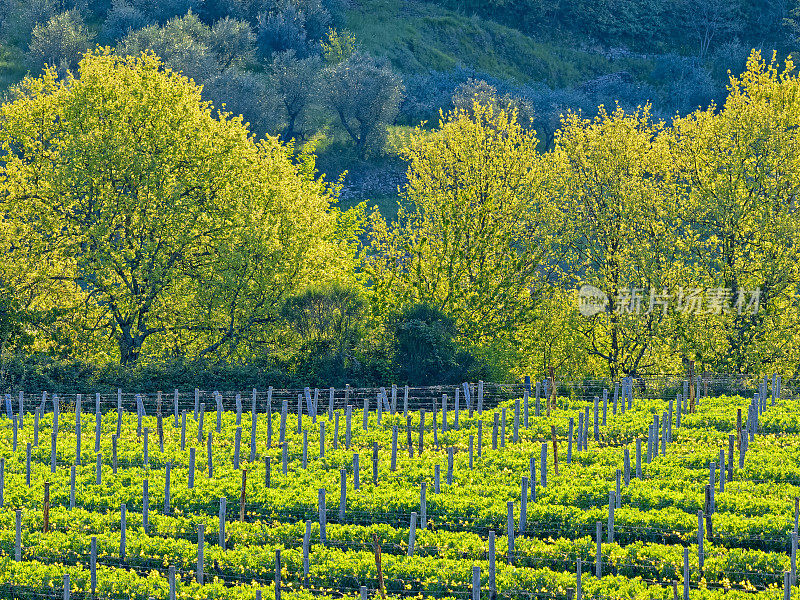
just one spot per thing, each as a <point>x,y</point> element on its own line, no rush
<point>739,430</point>
<point>160,423</point>
<point>377,549</point>
<point>691,387</point>
<point>555,447</point>
<point>242,498</point>
<point>46,506</point>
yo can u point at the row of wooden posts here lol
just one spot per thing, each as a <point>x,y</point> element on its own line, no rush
<point>383,402</point>
<point>757,406</point>
<point>544,389</point>
<point>582,441</point>
<point>17,420</point>
<point>789,577</point>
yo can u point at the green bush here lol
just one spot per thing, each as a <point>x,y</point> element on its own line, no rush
<point>72,376</point>
<point>425,352</point>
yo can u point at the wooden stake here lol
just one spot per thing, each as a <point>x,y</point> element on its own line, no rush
<point>123,525</point>
<point>46,506</point>
<point>277,575</point>
<point>243,496</point>
<point>555,448</point>
<point>739,429</point>
<point>201,535</point>
<point>377,549</point>
<point>167,473</point>
<point>375,463</point>
<point>409,441</point>
<point>491,552</point>
<point>18,535</point>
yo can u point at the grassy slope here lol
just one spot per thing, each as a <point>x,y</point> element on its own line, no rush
<point>417,36</point>
<point>12,68</point>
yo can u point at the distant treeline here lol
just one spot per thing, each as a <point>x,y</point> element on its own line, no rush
<point>291,68</point>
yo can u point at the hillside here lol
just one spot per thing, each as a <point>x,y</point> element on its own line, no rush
<point>419,37</point>
<point>264,59</point>
<point>550,71</point>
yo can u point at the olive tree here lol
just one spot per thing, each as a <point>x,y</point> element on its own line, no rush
<point>365,93</point>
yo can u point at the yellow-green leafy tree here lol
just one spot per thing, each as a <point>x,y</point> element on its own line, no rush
<point>609,176</point>
<point>739,172</point>
<point>473,234</point>
<point>179,232</point>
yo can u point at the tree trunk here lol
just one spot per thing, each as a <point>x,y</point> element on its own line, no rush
<point>130,346</point>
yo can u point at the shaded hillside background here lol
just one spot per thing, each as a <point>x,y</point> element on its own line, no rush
<point>266,60</point>
<point>361,85</point>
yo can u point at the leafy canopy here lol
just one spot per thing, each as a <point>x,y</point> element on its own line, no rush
<point>178,232</point>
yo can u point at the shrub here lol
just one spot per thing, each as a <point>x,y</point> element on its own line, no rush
<point>425,352</point>
<point>326,323</point>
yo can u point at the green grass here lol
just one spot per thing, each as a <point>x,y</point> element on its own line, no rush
<point>336,154</point>
<point>417,37</point>
<point>12,66</point>
<point>388,206</point>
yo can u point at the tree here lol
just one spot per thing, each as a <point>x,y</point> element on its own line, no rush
<point>21,16</point>
<point>738,168</point>
<point>122,19</point>
<point>216,57</point>
<point>246,94</point>
<point>59,42</point>
<point>179,230</point>
<point>622,235</point>
<point>473,91</point>
<point>161,11</point>
<point>201,52</point>
<point>246,10</point>
<point>317,19</point>
<point>296,83</point>
<point>708,20</point>
<point>365,94</point>
<point>475,241</point>
<point>282,30</point>
<point>233,42</point>
<point>183,43</point>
